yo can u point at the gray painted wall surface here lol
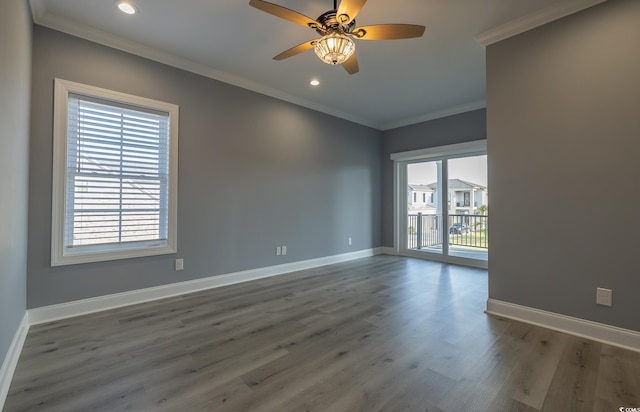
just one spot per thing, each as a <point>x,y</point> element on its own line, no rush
<point>460,128</point>
<point>15,67</point>
<point>563,107</point>
<point>254,172</point>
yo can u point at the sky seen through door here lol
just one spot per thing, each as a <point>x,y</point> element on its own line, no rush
<point>472,169</point>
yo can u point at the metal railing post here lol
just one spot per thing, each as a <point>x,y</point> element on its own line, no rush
<point>419,234</point>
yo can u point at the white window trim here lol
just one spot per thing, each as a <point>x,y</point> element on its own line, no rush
<point>476,147</point>
<point>61,96</point>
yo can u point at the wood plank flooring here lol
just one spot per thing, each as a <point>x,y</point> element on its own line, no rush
<point>378,334</point>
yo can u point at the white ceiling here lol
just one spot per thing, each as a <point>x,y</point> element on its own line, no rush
<point>400,81</point>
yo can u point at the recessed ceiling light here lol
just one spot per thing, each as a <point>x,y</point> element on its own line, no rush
<point>126,7</point>
<point>314,82</point>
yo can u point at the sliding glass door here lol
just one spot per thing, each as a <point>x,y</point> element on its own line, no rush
<point>442,204</point>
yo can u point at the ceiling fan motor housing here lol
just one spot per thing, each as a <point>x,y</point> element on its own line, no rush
<point>329,23</point>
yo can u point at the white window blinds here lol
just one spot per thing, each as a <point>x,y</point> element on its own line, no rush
<point>117,174</point>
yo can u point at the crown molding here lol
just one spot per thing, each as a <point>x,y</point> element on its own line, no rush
<point>533,20</point>
<point>480,104</point>
<point>38,9</point>
<point>43,18</point>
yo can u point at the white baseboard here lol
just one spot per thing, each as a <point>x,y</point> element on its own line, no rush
<point>385,250</point>
<point>11,359</point>
<point>623,338</point>
<point>82,307</point>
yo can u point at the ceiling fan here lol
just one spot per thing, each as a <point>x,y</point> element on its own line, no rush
<point>338,29</point>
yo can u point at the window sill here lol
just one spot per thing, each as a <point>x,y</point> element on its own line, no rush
<point>71,258</point>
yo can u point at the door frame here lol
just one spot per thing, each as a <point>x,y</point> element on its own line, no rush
<point>400,162</point>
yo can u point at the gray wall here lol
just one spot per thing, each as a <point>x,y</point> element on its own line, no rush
<point>15,66</point>
<point>460,128</point>
<point>563,117</point>
<point>255,172</point>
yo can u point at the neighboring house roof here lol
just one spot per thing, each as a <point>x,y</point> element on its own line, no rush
<point>458,184</point>
<point>423,188</point>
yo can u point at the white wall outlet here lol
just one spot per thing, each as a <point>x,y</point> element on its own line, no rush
<point>604,297</point>
<point>284,250</point>
<point>278,250</point>
<point>179,264</point>
<point>349,241</point>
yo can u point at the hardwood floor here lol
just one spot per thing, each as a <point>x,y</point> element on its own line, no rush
<point>378,334</point>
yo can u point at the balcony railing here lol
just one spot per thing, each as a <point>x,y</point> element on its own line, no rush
<point>425,231</point>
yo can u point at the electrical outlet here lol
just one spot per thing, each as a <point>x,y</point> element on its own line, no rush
<point>179,264</point>
<point>284,250</point>
<point>604,297</point>
<point>278,250</point>
<point>349,241</point>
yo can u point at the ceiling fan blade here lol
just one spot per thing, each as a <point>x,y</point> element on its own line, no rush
<point>351,65</point>
<point>284,13</point>
<point>303,47</point>
<point>388,31</point>
<point>349,8</point>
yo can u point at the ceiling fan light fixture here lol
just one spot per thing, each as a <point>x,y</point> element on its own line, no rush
<point>334,48</point>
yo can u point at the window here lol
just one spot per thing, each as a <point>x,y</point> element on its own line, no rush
<point>115,175</point>
<point>424,197</point>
